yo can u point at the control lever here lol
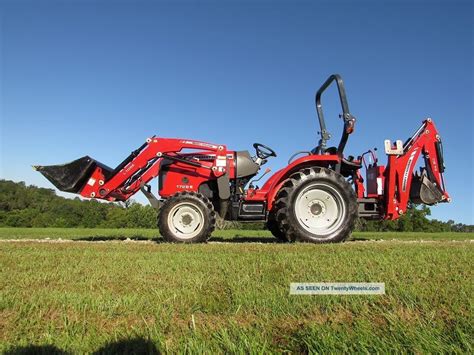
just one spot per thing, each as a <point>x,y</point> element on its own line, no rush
<point>267,170</point>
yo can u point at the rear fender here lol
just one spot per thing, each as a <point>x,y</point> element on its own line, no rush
<point>273,184</point>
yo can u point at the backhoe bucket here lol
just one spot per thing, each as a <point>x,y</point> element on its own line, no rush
<point>70,177</point>
<point>423,190</point>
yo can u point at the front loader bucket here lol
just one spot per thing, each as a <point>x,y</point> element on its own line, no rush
<point>70,177</point>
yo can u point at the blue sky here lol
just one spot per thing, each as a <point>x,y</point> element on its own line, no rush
<point>98,77</point>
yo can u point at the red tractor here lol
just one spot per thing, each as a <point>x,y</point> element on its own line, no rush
<point>316,198</point>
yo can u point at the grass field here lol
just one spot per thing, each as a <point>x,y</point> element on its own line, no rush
<point>98,234</point>
<point>232,297</point>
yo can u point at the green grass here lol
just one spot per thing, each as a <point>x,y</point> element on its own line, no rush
<point>219,235</point>
<point>113,297</point>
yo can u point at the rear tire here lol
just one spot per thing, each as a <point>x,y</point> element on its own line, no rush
<point>316,205</point>
<point>186,217</point>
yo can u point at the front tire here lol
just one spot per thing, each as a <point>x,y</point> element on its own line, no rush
<point>186,217</point>
<point>316,205</point>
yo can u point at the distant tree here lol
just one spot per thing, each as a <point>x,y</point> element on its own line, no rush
<point>414,220</point>
<point>139,216</point>
<point>20,218</point>
<point>115,218</point>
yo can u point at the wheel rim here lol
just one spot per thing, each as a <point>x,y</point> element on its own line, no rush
<point>186,220</point>
<point>320,209</point>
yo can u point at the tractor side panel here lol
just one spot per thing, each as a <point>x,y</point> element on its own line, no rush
<point>178,177</point>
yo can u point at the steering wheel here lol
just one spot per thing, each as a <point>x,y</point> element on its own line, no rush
<point>263,152</point>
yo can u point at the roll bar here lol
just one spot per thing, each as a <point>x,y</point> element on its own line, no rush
<point>349,120</point>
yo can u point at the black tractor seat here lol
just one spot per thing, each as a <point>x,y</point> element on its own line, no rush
<point>350,163</point>
<point>349,166</point>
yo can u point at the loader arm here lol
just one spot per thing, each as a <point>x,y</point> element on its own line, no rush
<point>139,168</point>
<point>401,185</point>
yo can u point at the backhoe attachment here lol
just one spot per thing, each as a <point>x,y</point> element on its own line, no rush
<point>401,184</point>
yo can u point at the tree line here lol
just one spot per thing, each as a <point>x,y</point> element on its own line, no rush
<point>31,206</point>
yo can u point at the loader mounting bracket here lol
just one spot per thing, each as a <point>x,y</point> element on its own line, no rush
<point>154,202</point>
